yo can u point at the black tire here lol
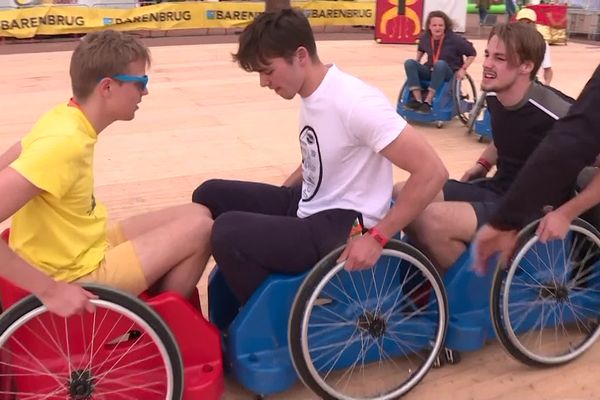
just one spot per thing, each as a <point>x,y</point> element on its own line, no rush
<point>459,97</point>
<point>565,290</point>
<point>315,285</point>
<point>30,308</point>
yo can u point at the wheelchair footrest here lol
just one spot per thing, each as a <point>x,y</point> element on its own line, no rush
<point>266,372</point>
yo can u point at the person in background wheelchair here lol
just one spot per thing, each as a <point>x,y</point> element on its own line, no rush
<point>448,55</point>
<point>58,226</point>
<point>522,112</point>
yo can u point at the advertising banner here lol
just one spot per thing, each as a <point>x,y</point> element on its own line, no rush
<point>398,21</point>
<point>51,19</point>
<point>4,4</point>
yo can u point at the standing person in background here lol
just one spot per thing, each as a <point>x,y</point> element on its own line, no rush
<point>528,16</point>
<point>483,6</point>
<point>511,8</point>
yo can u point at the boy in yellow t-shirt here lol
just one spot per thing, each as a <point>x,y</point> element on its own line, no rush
<point>58,226</point>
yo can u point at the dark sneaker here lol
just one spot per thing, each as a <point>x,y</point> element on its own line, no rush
<point>424,108</point>
<point>412,104</point>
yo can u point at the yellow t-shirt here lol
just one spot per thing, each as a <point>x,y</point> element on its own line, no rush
<point>62,231</point>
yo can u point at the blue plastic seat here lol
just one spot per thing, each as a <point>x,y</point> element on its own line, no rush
<point>255,337</point>
<point>483,126</point>
<point>442,107</point>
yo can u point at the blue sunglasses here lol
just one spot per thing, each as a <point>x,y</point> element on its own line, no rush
<point>141,81</point>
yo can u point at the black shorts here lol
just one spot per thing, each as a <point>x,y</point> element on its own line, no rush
<point>483,195</point>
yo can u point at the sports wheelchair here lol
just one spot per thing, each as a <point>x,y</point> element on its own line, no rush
<point>374,334</point>
<point>454,98</point>
<point>151,348</point>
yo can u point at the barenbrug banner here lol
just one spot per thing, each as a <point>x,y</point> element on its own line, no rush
<point>6,4</point>
<point>54,19</point>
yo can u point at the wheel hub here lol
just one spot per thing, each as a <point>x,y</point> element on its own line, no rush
<point>559,293</point>
<point>374,324</point>
<point>81,385</point>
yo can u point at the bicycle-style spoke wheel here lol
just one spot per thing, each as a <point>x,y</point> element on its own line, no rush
<point>464,94</point>
<point>122,351</point>
<point>370,334</point>
<point>546,304</point>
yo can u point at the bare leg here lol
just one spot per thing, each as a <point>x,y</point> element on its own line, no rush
<point>173,245</point>
<point>429,97</point>
<point>443,231</point>
<point>417,95</point>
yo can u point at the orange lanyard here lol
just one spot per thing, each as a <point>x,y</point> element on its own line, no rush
<point>74,103</point>
<point>434,53</point>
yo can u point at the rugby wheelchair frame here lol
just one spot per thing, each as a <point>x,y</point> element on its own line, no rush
<point>374,334</point>
<point>151,348</point>
<point>478,122</point>
<point>454,98</point>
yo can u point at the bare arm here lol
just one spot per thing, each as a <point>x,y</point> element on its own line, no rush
<point>468,62</point>
<point>461,72</point>
<point>10,155</point>
<point>412,153</point>
<point>12,266</point>
<point>295,178</point>
<point>479,170</point>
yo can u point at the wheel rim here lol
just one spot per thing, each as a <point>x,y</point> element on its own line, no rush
<point>474,114</point>
<point>465,99</point>
<point>111,353</point>
<point>378,329</point>
<point>550,306</point>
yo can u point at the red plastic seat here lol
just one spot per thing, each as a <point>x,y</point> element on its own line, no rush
<point>199,341</point>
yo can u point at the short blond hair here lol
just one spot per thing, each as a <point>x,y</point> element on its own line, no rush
<point>101,54</point>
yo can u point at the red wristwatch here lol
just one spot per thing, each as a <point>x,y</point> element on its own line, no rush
<point>378,236</point>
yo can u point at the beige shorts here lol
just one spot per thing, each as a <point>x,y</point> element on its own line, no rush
<point>121,267</point>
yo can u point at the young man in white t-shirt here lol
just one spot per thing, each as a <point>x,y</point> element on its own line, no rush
<point>350,135</point>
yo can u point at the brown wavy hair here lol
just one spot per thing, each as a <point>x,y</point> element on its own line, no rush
<point>439,14</point>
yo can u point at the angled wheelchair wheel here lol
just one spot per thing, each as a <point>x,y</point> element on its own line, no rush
<point>464,95</point>
<point>401,95</point>
<point>477,109</point>
<point>370,334</point>
<point>546,304</point>
<point>121,351</point>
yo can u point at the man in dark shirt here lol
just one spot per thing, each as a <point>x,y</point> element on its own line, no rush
<point>522,112</point>
<point>548,176</point>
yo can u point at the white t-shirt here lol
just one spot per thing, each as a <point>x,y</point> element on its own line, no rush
<point>344,124</point>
